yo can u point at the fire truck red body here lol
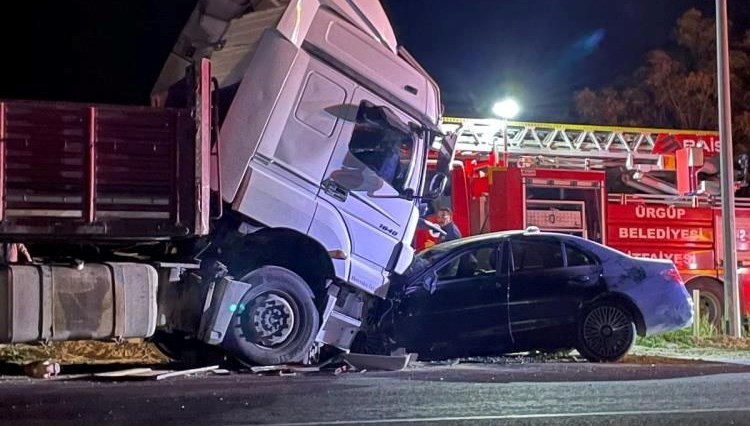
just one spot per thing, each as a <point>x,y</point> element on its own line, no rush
<point>550,178</point>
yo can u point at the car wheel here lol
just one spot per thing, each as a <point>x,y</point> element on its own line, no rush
<point>606,332</point>
<point>276,321</point>
<point>711,299</point>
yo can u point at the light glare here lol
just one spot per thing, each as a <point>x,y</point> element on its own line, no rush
<point>507,109</point>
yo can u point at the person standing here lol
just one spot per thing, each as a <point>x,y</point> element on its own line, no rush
<point>445,219</point>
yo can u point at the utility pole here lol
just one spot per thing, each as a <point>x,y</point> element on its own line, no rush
<point>731,286</point>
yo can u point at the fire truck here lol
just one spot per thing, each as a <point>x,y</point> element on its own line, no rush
<point>647,192</point>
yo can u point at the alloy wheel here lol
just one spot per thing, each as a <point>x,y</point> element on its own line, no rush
<point>607,331</point>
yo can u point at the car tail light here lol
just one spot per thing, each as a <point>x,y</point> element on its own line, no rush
<point>672,275</point>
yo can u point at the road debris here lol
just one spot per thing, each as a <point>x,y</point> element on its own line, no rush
<point>341,370</point>
<point>274,370</point>
<point>380,362</point>
<point>123,373</point>
<point>269,368</point>
<point>42,369</point>
<point>186,372</point>
<point>151,374</point>
<point>344,363</point>
<point>306,369</point>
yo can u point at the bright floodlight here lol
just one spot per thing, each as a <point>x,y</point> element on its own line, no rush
<point>507,109</point>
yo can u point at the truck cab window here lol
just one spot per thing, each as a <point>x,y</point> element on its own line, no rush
<point>383,144</point>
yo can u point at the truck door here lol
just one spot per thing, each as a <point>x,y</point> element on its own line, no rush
<point>375,162</point>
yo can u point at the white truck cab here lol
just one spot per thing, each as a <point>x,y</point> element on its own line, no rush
<point>262,212</point>
<point>326,137</point>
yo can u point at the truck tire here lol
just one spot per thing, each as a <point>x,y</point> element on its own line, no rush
<point>276,321</point>
<point>606,332</point>
<point>711,299</point>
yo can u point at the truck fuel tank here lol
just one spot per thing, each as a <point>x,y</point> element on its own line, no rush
<point>97,301</point>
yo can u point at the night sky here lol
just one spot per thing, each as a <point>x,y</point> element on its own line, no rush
<point>539,51</point>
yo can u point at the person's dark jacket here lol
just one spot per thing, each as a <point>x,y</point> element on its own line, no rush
<point>451,233</point>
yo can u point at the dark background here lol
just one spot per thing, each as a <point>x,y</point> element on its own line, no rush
<point>539,51</point>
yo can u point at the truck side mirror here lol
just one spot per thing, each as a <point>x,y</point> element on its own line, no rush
<point>437,186</point>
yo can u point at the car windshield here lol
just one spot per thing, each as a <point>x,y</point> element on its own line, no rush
<point>430,256</point>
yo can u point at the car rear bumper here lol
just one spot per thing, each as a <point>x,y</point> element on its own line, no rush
<point>667,310</point>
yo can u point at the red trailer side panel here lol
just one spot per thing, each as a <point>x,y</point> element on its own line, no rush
<point>76,170</point>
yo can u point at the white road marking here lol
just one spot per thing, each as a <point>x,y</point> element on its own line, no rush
<point>519,417</point>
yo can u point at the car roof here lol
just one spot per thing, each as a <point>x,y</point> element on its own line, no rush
<point>497,236</point>
<point>482,238</point>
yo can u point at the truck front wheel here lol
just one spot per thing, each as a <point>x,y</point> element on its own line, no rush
<point>276,321</point>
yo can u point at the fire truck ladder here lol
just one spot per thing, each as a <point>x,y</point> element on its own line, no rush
<point>563,145</point>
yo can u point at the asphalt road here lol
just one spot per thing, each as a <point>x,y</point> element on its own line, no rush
<point>516,394</point>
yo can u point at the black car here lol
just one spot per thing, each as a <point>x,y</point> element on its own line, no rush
<point>527,290</point>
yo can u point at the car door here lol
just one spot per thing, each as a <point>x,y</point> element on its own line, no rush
<point>375,160</point>
<point>582,274</point>
<point>546,289</point>
<point>467,311</point>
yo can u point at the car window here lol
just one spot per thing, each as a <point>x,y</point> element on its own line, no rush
<point>531,254</point>
<point>577,257</point>
<point>480,261</point>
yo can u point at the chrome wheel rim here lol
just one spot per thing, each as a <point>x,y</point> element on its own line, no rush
<point>607,331</point>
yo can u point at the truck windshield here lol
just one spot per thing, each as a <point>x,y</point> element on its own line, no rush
<point>383,143</point>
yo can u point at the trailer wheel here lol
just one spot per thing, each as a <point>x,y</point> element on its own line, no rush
<point>275,322</point>
<point>606,332</point>
<point>711,299</point>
